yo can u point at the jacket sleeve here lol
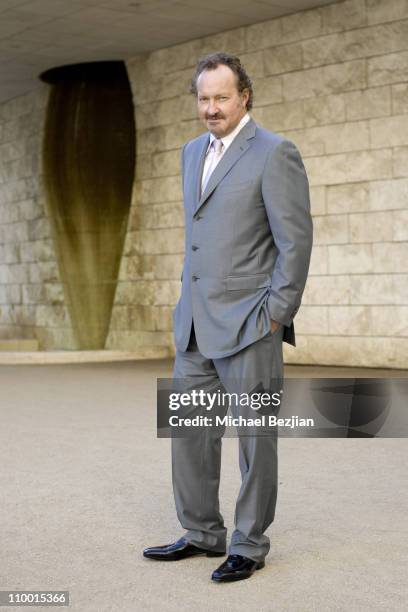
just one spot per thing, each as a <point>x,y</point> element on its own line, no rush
<point>285,191</point>
<point>182,186</point>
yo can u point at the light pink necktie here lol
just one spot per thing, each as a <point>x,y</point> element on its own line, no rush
<point>215,153</point>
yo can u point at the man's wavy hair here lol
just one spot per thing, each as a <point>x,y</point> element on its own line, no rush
<point>212,61</point>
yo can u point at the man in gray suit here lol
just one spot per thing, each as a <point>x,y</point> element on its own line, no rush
<point>248,239</point>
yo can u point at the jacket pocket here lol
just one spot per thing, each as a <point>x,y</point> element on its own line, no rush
<point>254,281</point>
<point>231,187</point>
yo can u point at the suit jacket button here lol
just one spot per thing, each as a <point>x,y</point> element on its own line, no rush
<point>194,277</point>
<point>194,247</point>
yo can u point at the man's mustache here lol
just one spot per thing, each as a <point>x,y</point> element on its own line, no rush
<point>214,116</point>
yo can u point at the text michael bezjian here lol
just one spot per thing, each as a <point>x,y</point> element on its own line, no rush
<point>241,421</point>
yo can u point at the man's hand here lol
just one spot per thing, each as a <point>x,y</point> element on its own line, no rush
<point>274,325</point>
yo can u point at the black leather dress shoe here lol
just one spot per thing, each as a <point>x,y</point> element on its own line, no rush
<point>179,550</point>
<point>236,567</point>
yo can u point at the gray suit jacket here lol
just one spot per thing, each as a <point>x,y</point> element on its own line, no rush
<point>248,240</point>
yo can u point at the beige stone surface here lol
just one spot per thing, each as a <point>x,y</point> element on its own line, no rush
<point>389,321</point>
<point>10,294</point>
<point>55,338</point>
<point>253,63</point>
<point>332,79</point>
<point>134,317</point>
<point>371,227</point>
<point>52,316</point>
<point>154,241</point>
<point>345,198</point>
<point>168,85</point>
<point>356,43</point>
<point>391,257</point>
<point>345,15</point>
<point>166,163</point>
<point>399,222</point>
<point>173,59</point>
<point>349,168</point>
<point>390,194</point>
<point>153,114</point>
<point>167,266</point>
<point>319,261</point>
<point>330,229</point>
<point>335,78</point>
<point>368,196</point>
<point>400,161</point>
<point>312,320</point>
<point>166,137</point>
<point>326,290</point>
<point>392,10</point>
<point>301,25</point>
<point>278,117</point>
<point>268,90</point>
<point>54,293</point>
<point>399,98</point>
<point>44,272</point>
<point>31,298</point>
<point>323,110</point>
<point>284,58</point>
<point>148,292</point>
<point>263,35</point>
<point>26,352</point>
<point>19,345</point>
<point>162,215</point>
<point>389,131</point>
<point>310,142</point>
<point>390,68</point>
<point>157,190</point>
<point>14,273</point>
<point>354,351</point>
<point>351,259</point>
<point>368,103</point>
<point>349,321</point>
<point>379,289</point>
<point>131,340</point>
<point>336,138</point>
<point>9,253</point>
<point>318,199</point>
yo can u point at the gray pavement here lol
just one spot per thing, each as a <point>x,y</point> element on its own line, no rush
<point>85,485</point>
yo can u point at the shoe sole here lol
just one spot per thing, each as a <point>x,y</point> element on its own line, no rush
<point>207,554</point>
<point>232,578</point>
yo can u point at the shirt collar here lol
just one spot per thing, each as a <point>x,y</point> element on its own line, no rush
<point>227,140</point>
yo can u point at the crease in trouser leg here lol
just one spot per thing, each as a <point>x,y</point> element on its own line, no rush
<point>196,466</point>
<point>196,458</point>
<point>257,368</point>
<point>255,507</point>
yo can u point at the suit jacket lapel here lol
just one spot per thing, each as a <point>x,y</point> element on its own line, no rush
<point>198,166</point>
<point>237,148</point>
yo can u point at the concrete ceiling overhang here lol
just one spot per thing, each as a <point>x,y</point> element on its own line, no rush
<point>39,34</point>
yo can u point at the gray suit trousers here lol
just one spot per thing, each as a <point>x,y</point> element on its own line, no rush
<point>196,459</point>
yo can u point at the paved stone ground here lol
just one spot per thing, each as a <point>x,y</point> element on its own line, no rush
<point>85,485</point>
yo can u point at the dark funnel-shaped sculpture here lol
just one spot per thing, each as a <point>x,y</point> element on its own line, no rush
<point>88,165</point>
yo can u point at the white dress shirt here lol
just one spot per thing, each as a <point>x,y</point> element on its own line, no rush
<point>226,141</point>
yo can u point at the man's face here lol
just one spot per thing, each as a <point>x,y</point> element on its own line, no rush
<point>220,105</point>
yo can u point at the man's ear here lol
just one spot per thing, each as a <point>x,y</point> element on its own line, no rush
<point>245,96</point>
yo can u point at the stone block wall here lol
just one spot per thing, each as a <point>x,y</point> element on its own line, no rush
<point>32,301</point>
<point>334,80</point>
